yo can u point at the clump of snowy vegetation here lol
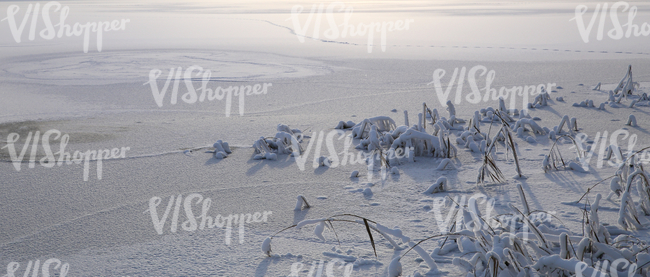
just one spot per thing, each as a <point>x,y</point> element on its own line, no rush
<point>630,174</point>
<point>418,141</point>
<point>286,141</point>
<point>626,86</point>
<point>438,186</point>
<point>565,121</point>
<point>523,242</point>
<point>381,123</point>
<point>321,223</point>
<point>631,121</point>
<point>625,89</point>
<point>554,160</point>
<point>541,100</point>
<point>345,125</point>
<point>597,87</point>
<point>383,138</point>
<point>520,243</point>
<point>301,203</point>
<point>221,149</point>
<point>489,169</point>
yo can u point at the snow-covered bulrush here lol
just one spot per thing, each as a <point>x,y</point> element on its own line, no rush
<point>629,215</point>
<point>456,204</point>
<point>644,97</point>
<point>301,203</point>
<point>432,114</point>
<point>597,87</point>
<point>554,159</point>
<point>606,150</point>
<point>489,167</point>
<point>383,124</point>
<point>489,116</point>
<point>565,121</point>
<point>221,149</point>
<point>531,124</point>
<point>395,268</point>
<point>524,244</point>
<point>370,226</point>
<point>452,114</point>
<point>541,100</point>
<point>602,243</point>
<point>458,79</point>
<point>627,85</point>
<point>433,268</point>
<point>266,246</point>
<point>286,141</point>
<point>473,139</point>
<point>423,144</point>
<point>380,157</point>
<point>324,161</point>
<point>587,103</point>
<point>345,125</point>
<point>263,150</point>
<point>592,227</point>
<point>438,186</point>
<point>504,247</point>
<point>631,121</point>
<point>506,112</point>
<point>446,164</point>
<point>373,141</point>
<point>612,97</point>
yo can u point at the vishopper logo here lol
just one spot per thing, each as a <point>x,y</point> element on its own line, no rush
<point>49,160</point>
<point>583,268</point>
<point>318,267</point>
<point>204,220</point>
<point>36,267</point>
<point>486,93</point>
<point>455,213</point>
<point>347,29</point>
<point>206,93</point>
<point>49,32</point>
<point>373,159</point>
<point>464,214</point>
<point>609,150</point>
<point>617,32</point>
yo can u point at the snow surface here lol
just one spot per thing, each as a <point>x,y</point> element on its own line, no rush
<point>103,227</point>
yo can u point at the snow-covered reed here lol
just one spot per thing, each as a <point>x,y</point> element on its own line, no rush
<point>631,121</point>
<point>438,186</point>
<point>221,149</point>
<point>554,159</point>
<point>627,85</point>
<point>286,141</point>
<point>301,203</point>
